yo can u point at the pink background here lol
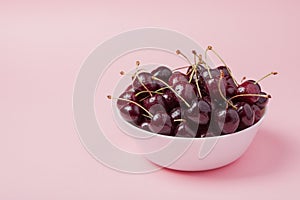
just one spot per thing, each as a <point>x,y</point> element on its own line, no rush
<point>42,46</point>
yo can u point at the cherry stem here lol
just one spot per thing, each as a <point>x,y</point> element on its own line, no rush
<point>194,71</point>
<point>192,74</point>
<point>144,86</point>
<point>244,78</point>
<point>180,68</point>
<point>141,82</point>
<point>197,81</point>
<point>198,88</point>
<point>221,93</point>
<point>200,59</point>
<point>210,48</point>
<point>251,95</point>
<point>197,56</point>
<point>186,103</point>
<point>122,99</point>
<point>194,66</point>
<point>178,52</point>
<point>160,89</point>
<point>144,98</point>
<point>141,92</point>
<point>205,64</point>
<point>137,63</point>
<point>179,120</point>
<point>262,78</point>
<point>132,75</point>
<point>147,116</point>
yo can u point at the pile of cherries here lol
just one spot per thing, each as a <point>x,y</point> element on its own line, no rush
<point>202,102</point>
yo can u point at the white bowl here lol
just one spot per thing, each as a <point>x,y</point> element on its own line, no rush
<point>190,154</point>
<point>186,154</point>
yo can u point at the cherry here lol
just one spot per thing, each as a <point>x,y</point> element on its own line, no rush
<point>130,112</point>
<point>184,130</point>
<point>258,113</point>
<point>199,112</point>
<point>153,102</point>
<point>130,88</point>
<point>185,90</point>
<point>170,99</point>
<point>177,77</point>
<point>251,87</point>
<point>202,130</point>
<point>248,87</point>
<point>161,123</point>
<point>227,120</point>
<point>231,88</point>
<point>129,95</point>
<point>262,101</point>
<point>246,115</point>
<point>181,89</point>
<point>133,108</point>
<point>143,81</point>
<point>162,73</point>
<point>216,88</point>
<point>145,125</point>
<point>209,74</point>
<point>156,99</point>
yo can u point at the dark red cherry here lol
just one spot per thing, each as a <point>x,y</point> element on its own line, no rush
<point>129,95</point>
<point>161,123</point>
<point>199,112</point>
<point>262,101</point>
<point>215,73</point>
<point>130,88</point>
<point>145,125</point>
<point>246,115</point>
<point>144,81</point>
<point>130,112</point>
<point>170,99</point>
<point>214,90</point>
<point>184,130</point>
<point>248,87</point>
<point>162,73</point>
<point>156,99</point>
<point>227,120</point>
<point>258,113</point>
<point>202,130</point>
<point>185,90</point>
<point>231,88</point>
<point>177,77</point>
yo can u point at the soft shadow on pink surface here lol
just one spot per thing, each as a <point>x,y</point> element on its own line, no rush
<point>267,154</point>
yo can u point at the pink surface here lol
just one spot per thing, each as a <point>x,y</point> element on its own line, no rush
<point>42,48</point>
